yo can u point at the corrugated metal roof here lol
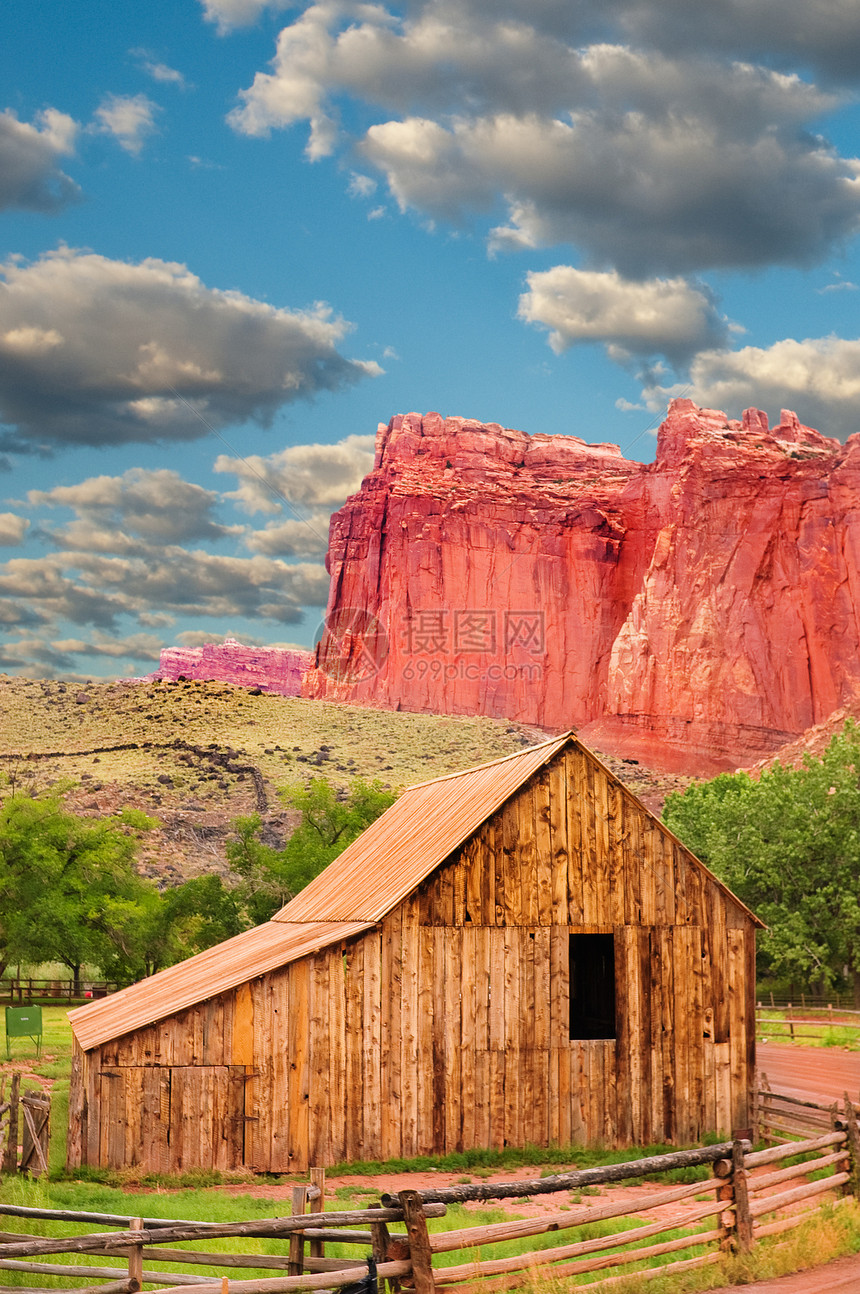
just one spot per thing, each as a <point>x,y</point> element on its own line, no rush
<point>397,851</point>
<point>203,976</point>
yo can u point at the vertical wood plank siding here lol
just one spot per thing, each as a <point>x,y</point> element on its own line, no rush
<point>447,1026</point>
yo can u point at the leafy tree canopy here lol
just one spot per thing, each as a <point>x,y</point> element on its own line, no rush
<point>788,844</point>
<point>68,890</point>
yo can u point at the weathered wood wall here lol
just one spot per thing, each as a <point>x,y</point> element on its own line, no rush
<point>447,1027</point>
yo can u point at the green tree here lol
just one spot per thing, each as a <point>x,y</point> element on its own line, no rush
<point>164,928</point>
<point>329,821</point>
<point>788,844</point>
<point>68,890</point>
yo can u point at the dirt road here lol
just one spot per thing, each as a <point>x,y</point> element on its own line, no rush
<point>841,1277</point>
<point>822,1074</point>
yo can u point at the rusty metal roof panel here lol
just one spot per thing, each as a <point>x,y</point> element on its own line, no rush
<point>203,976</point>
<point>402,847</point>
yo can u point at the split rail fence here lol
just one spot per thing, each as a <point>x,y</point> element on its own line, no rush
<point>744,1195</point>
<point>806,1023</point>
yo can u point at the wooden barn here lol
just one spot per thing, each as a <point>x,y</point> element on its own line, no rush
<point>517,953</point>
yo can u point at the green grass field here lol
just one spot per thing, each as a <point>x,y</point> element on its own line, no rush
<point>818,1028</point>
<point>197,1196</point>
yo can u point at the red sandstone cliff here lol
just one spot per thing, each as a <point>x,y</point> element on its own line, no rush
<point>698,611</point>
<point>273,669</point>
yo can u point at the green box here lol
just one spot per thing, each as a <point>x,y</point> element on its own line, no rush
<point>24,1022</point>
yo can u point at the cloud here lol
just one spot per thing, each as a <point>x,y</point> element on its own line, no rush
<point>92,588</point>
<point>648,161</point>
<point>669,195</point>
<point>140,550</point>
<point>97,352</point>
<point>30,177</point>
<point>818,377</point>
<point>156,505</point>
<point>841,285</point>
<point>160,72</point>
<point>12,529</point>
<point>302,537</point>
<point>227,14</point>
<point>129,118</point>
<point>310,475</point>
<point>361,186</point>
<point>670,317</point>
<point>825,35</point>
<point>60,657</point>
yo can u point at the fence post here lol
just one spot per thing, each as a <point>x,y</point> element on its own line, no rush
<point>419,1241</point>
<point>763,1121</point>
<point>790,1021</point>
<point>725,1195</point>
<point>317,1205</point>
<point>743,1217</point>
<point>385,1249</point>
<point>10,1156</point>
<point>838,1124</point>
<point>297,1239</point>
<point>135,1259</point>
<point>853,1138</point>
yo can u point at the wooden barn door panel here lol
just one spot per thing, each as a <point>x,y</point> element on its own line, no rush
<point>134,1104</point>
<point>206,1117</point>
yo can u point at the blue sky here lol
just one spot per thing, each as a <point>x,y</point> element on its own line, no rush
<point>236,235</point>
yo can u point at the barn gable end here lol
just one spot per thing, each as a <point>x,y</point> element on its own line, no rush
<point>451,1022</point>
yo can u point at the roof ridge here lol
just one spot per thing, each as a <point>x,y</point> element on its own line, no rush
<point>501,759</point>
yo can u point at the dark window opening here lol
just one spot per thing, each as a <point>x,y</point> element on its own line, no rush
<point>592,986</point>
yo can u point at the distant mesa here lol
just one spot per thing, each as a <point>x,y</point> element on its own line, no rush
<point>697,612</point>
<point>271,669</point>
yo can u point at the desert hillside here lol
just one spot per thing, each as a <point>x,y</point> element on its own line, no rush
<point>195,755</point>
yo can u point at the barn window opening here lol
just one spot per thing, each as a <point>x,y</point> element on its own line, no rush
<point>592,986</point>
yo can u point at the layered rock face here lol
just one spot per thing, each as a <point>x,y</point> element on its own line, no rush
<point>696,612</point>
<point>273,669</point>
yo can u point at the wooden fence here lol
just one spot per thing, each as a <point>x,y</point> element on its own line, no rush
<point>28,990</point>
<point>805,1023</point>
<point>745,1195</point>
<point>813,1001</point>
<point>26,1118</point>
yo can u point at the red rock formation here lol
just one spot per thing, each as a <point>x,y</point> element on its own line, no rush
<point>273,669</point>
<point>698,611</point>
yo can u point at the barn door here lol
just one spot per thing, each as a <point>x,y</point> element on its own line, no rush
<point>134,1115</point>
<point>207,1115</point>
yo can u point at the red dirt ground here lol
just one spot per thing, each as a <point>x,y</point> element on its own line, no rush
<point>840,1277</point>
<point>822,1074</point>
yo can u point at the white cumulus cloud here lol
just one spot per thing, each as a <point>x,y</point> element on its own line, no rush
<point>670,317</point>
<point>30,176</point>
<point>129,118</point>
<point>646,158</point>
<point>227,14</point>
<point>95,351</point>
<point>310,475</point>
<point>13,528</point>
<point>818,377</point>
